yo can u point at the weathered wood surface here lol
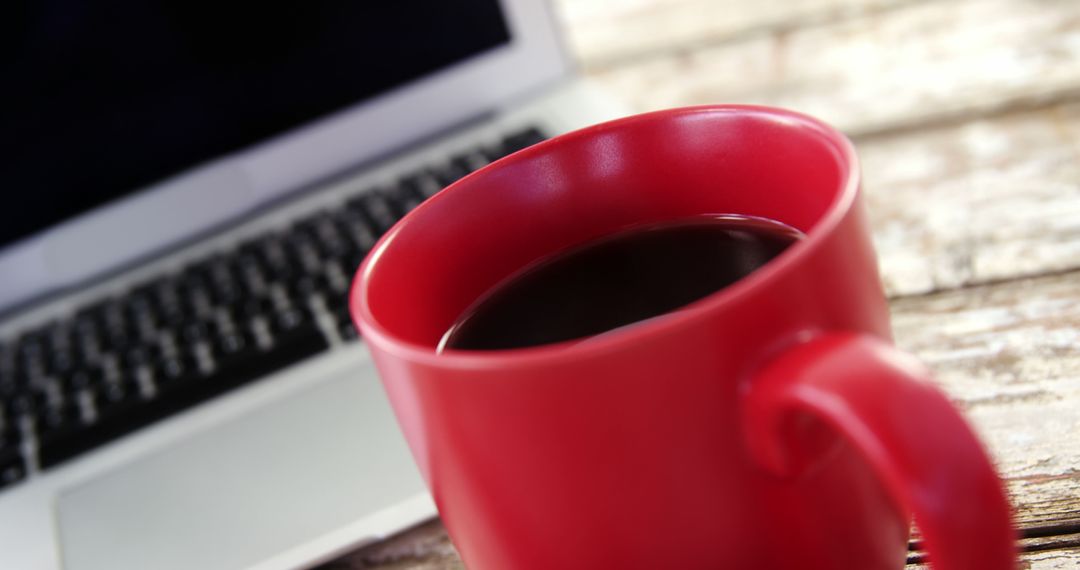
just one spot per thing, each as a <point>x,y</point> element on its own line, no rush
<point>967,118</point>
<point>1008,354</point>
<point>1068,559</point>
<point>606,33</point>
<point>896,69</point>
<point>976,202</point>
<point>975,199</point>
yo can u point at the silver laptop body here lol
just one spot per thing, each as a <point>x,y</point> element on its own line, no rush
<point>180,383</point>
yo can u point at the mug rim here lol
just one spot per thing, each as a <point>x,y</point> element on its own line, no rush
<point>849,183</point>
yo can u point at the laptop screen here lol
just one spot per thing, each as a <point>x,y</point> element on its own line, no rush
<point>102,99</point>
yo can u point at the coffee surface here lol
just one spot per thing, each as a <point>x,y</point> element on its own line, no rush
<point>618,280</point>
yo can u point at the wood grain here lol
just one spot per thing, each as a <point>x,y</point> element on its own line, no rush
<point>606,33</point>
<point>915,65</point>
<point>424,547</point>
<point>976,202</point>
<point>1008,354</point>
<point>1052,560</point>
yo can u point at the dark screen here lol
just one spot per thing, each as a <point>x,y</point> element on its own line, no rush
<point>102,98</point>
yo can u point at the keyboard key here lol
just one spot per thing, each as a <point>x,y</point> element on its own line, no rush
<point>31,345</point>
<point>57,419</point>
<point>117,404</point>
<point>59,339</point>
<point>195,331</point>
<point>337,278</point>
<point>141,307</point>
<point>10,437</point>
<point>304,287</point>
<point>7,358</point>
<point>271,250</point>
<point>339,310</point>
<point>61,362</point>
<point>25,403</point>
<point>139,356</point>
<point>87,339</point>
<point>338,307</point>
<point>252,276</point>
<point>294,326</point>
<point>11,384</point>
<point>157,293</point>
<point>423,185</point>
<point>347,330</point>
<point>288,320</point>
<point>304,253</point>
<point>89,315</point>
<point>243,310</point>
<point>522,139</point>
<point>173,370</point>
<point>403,198</point>
<point>471,161</point>
<point>82,379</point>
<point>329,237</point>
<point>376,209</point>
<point>113,395</point>
<point>231,344</point>
<point>409,203</point>
<point>447,174</point>
<point>30,360</point>
<point>198,301</point>
<point>217,272</point>
<point>358,232</point>
<point>114,328</point>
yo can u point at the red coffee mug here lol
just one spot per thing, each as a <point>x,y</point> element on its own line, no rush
<point>771,425</point>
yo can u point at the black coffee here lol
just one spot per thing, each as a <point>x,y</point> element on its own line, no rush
<point>617,280</point>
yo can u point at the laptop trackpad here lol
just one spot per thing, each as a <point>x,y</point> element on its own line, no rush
<point>240,493</point>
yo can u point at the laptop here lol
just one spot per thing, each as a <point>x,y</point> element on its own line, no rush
<point>189,188</point>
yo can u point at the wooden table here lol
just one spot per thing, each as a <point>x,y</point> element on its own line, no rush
<point>967,117</point>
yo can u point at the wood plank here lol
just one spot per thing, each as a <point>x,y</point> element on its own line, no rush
<point>604,33</point>
<point>976,202</point>
<point>425,547</point>
<point>1008,354</point>
<point>1053,560</point>
<point>916,65</point>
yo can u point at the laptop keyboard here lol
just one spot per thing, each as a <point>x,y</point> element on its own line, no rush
<point>219,323</point>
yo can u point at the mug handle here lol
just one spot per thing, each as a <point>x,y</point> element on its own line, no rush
<point>879,399</point>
